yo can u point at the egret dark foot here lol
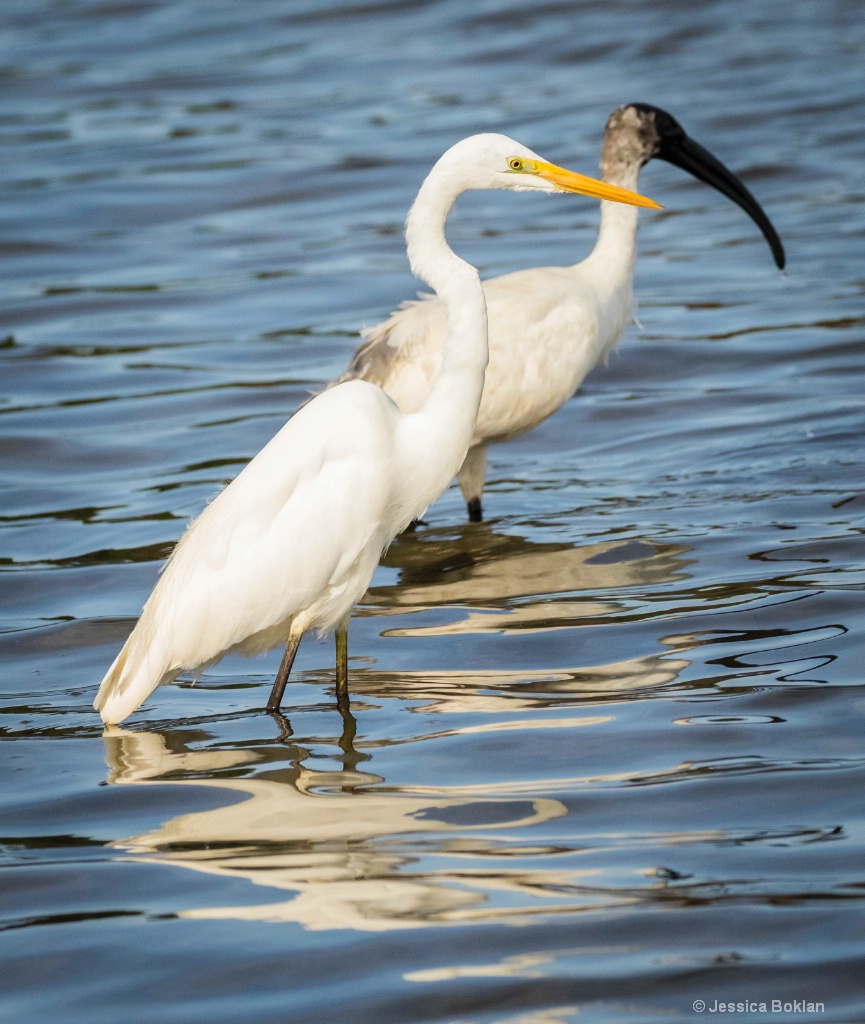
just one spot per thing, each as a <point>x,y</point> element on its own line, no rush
<point>476,513</point>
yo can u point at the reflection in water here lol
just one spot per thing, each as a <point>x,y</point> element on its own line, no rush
<point>357,853</point>
<point>342,847</point>
<point>501,690</point>
<point>491,572</point>
<point>480,565</point>
<point>525,965</point>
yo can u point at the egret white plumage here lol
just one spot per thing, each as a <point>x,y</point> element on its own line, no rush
<point>548,326</point>
<point>293,541</point>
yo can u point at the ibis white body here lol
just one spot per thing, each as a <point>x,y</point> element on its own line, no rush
<point>548,326</point>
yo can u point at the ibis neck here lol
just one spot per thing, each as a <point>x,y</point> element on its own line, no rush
<point>442,428</point>
<point>610,265</point>
<point>616,247</point>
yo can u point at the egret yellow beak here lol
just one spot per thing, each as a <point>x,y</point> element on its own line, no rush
<point>570,181</point>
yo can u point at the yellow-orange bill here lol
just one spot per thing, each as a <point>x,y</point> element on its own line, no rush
<point>570,181</point>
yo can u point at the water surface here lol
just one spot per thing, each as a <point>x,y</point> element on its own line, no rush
<point>604,756</point>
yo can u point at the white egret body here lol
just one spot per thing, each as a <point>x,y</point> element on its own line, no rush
<point>548,326</point>
<point>293,541</point>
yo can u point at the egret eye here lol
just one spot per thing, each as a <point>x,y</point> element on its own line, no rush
<point>515,163</point>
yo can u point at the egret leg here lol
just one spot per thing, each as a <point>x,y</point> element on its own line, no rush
<point>475,511</point>
<point>342,662</point>
<point>284,669</point>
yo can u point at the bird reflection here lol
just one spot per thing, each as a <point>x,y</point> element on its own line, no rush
<point>309,818</point>
<point>342,846</point>
<point>503,583</point>
<point>512,583</point>
<point>351,757</point>
<point>506,691</point>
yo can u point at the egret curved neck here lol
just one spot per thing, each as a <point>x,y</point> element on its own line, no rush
<point>455,282</point>
<point>442,428</point>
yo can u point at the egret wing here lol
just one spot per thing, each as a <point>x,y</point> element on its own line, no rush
<point>300,529</point>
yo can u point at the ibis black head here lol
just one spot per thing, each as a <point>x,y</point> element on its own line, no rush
<point>663,138</point>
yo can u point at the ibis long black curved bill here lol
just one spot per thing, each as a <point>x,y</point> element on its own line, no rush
<point>677,147</point>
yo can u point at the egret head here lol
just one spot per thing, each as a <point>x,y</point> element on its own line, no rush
<point>639,132</point>
<point>486,161</point>
<point>492,161</point>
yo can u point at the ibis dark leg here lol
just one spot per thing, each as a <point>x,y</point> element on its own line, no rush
<point>472,475</point>
<point>282,675</point>
<point>342,662</point>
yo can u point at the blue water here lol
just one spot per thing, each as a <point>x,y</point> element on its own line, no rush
<point>604,756</point>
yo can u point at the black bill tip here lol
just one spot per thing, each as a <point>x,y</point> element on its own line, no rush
<point>676,147</point>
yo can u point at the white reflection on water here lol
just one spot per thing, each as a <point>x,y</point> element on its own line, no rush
<point>357,854</point>
<point>330,849</point>
<point>502,691</point>
<point>490,568</point>
<point>524,965</point>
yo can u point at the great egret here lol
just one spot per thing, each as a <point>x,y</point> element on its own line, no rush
<point>548,326</point>
<point>293,541</point>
